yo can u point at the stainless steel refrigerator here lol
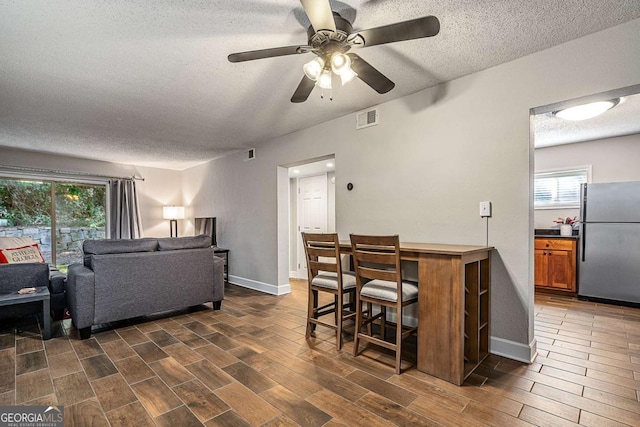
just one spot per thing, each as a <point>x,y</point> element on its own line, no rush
<point>610,242</point>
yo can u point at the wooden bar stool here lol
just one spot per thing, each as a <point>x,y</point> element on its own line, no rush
<point>326,275</point>
<point>379,281</point>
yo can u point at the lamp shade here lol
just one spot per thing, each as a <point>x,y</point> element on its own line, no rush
<point>173,212</point>
<point>324,80</point>
<point>347,76</point>
<point>340,63</point>
<point>313,68</point>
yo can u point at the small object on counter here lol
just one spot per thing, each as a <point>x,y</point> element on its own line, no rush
<point>27,291</point>
<point>567,221</point>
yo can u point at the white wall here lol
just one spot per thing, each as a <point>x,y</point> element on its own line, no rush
<point>160,187</point>
<point>423,170</point>
<point>611,160</point>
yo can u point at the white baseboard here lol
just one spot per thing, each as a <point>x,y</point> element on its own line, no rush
<point>514,350</point>
<point>293,274</point>
<point>261,286</point>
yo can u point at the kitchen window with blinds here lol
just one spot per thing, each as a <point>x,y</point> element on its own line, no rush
<point>559,189</point>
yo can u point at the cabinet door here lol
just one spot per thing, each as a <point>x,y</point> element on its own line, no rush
<point>541,275</point>
<point>560,269</point>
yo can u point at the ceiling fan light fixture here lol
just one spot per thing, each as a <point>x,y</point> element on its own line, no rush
<point>586,111</point>
<point>324,79</point>
<point>313,68</point>
<point>347,76</point>
<point>340,63</point>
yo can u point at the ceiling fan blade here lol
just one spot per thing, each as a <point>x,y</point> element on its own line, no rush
<point>374,78</point>
<point>320,14</point>
<point>427,26</point>
<point>303,90</point>
<point>267,53</point>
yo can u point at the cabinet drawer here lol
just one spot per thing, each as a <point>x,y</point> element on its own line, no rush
<point>564,244</point>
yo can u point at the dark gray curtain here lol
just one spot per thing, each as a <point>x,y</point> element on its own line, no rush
<point>124,212</point>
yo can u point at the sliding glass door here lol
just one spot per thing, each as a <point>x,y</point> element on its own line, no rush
<point>59,216</point>
<point>79,215</point>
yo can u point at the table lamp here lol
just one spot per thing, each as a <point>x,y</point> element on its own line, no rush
<point>173,213</point>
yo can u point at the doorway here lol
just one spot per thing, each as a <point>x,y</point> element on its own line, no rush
<point>594,149</point>
<point>312,207</point>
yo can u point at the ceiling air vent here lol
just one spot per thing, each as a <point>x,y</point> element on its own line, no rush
<point>250,154</point>
<point>367,118</point>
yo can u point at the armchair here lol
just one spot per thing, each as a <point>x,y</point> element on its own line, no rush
<point>31,274</point>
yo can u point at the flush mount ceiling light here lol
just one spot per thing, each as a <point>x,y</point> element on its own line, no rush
<point>586,111</point>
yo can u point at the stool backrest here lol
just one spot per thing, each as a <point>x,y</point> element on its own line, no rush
<point>323,253</point>
<point>376,257</point>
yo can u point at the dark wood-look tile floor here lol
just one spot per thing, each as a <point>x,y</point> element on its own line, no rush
<point>250,365</point>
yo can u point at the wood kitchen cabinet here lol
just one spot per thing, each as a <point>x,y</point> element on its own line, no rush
<point>555,264</point>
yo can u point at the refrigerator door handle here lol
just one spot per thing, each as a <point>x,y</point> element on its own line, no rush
<point>583,217</point>
<point>583,239</point>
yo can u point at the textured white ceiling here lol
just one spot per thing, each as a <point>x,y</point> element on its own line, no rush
<point>148,82</point>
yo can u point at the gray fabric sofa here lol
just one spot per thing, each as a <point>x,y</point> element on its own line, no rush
<point>17,276</point>
<point>121,279</point>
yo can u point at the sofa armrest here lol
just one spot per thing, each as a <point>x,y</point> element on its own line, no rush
<point>81,295</point>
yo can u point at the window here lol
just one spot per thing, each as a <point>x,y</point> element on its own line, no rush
<point>559,188</point>
<point>59,216</point>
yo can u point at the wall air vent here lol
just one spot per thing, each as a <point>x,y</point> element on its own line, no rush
<point>367,118</point>
<point>250,154</point>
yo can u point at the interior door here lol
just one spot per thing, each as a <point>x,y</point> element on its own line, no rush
<point>312,213</point>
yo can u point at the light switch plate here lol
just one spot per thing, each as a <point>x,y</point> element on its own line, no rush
<point>485,209</point>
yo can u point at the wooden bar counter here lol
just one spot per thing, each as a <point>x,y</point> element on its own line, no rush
<point>453,306</point>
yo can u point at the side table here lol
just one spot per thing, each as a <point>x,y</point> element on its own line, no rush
<point>224,254</point>
<point>41,294</point>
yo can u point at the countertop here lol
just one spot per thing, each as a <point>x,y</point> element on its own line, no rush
<point>554,233</point>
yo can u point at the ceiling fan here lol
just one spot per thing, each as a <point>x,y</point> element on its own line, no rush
<point>330,37</point>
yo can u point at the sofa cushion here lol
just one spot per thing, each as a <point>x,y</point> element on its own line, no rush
<point>119,246</point>
<point>116,246</point>
<point>21,255</point>
<point>189,242</point>
<point>16,276</point>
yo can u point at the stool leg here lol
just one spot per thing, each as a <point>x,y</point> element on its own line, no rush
<point>356,332</point>
<point>339,321</point>
<point>399,341</point>
<point>313,295</point>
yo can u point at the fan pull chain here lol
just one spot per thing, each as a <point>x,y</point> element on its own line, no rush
<point>330,94</point>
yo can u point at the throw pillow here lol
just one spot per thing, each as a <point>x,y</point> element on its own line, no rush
<point>15,242</point>
<point>21,255</point>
